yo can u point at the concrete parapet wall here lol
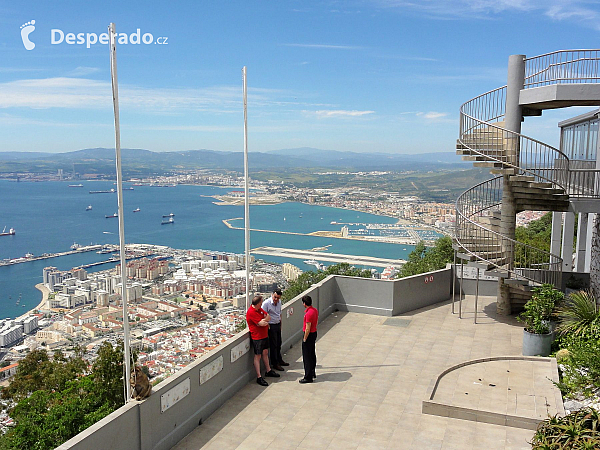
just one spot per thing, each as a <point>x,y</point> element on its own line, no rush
<point>142,425</point>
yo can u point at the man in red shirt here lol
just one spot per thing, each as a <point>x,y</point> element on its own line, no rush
<point>309,355</point>
<point>258,323</point>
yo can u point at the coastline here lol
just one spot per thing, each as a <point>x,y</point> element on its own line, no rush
<point>45,292</point>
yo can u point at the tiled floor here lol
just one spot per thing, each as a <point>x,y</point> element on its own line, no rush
<point>372,379</point>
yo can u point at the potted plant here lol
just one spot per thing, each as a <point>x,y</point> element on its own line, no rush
<point>538,333</point>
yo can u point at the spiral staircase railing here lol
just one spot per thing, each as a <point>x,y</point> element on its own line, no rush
<point>483,136</point>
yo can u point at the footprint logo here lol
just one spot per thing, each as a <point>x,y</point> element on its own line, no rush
<point>26,30</point>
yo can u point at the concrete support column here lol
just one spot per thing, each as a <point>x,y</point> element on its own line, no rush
<point>512,122</point>
<point>567,242</point>
<point>588,240</point>
<point>582,242</point>
<point>555,233</point>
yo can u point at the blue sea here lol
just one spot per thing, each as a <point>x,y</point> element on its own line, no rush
<point>50,216</point>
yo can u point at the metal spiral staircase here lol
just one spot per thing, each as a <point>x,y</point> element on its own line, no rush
<point>531,175</point>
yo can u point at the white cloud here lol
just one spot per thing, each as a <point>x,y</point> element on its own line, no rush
<point>68,92</point>
<point>432,115</point>
<point>341,113</point>
<point>82,71</point>
<point>575,10</point>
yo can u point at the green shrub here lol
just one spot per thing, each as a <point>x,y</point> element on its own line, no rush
<point>581,368</point>
<point>579,314</point>
<point>578,430</point>
<point>539,309</point>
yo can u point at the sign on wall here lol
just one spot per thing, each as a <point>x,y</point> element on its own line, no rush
<point>239,350</point>
<point>174,395</point>
<point>211,369</point>
<point>290,311</point>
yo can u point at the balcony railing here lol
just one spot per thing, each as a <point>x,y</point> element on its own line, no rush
<point>148,425</point>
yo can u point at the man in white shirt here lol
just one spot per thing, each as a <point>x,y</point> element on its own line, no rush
<point>273,307</point>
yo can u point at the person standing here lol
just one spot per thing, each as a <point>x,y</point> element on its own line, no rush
<point>272,306</point>
<point>258,324</point>
<point>309,355</point>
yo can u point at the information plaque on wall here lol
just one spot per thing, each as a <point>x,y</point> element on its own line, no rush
<point>211,369</point>
<point>174,395</point>
<point>240,350</point>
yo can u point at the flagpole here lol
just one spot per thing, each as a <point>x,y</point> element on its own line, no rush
<point>246,190</point>
<point>115,91</point>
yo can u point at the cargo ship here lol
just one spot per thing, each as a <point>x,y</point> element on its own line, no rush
<point>112,216</point>
<point>166,222</point>
<point>137,210</point>
<point>10,232</point>
<point>169,215</point>
<point>88,208</point>
<point>76,185</point>
<point>112,191</point>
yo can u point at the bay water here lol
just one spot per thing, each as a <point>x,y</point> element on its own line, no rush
<point>50,216</point>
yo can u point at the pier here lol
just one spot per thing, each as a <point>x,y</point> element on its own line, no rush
<point>330,257</point>
<point>88,248</point>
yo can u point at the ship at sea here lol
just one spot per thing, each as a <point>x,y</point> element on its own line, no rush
<point>10,232</point>
<point>166,222</point>
<point>169,215</point>
<point>88,208</point>
<point>76,185</point>
<point>111,191</point>
<point>112,216</point>
<point>137,210</point>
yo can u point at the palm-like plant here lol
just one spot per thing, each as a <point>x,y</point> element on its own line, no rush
<point>578,312</point>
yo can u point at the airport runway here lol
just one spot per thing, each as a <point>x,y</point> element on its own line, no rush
<point>330,257</point>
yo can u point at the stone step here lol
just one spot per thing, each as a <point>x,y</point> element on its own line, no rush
<point>539,197</point>
<point>526,188</point>
<point>509,171</point>
<point>482,158</point>
<point>526,178</point>
<point>490,164</point>
<point>496,272</point>
<point>542,206</point>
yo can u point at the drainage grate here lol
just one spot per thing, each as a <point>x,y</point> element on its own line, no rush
<point>397,322</point>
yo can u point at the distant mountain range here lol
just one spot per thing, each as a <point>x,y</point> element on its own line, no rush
<point>101,160</point>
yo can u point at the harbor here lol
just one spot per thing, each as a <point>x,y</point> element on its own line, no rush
<point>31,258</point>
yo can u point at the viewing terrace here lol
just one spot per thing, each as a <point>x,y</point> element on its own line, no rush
<point>390,374</point>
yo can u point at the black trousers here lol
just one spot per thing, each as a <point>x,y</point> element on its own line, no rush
<point>309,356</point>
<point>275,344</point>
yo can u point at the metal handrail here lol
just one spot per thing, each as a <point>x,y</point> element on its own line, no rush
<point>563,66</point>
<point>489,246</point>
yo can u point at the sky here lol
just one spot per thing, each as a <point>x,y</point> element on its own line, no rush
<point>355,75</point>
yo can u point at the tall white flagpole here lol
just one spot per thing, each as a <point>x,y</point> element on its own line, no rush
<point>115,91</point>
<point>246,189</point>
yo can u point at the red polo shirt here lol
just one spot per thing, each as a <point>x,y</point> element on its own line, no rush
<point>311,315</point>
<point>252,318</point>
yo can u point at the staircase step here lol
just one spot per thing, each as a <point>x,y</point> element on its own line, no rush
<point>490,164</point>
<point>539,196</point>
<point>516,282</point>
<point>509,171</point>
<point>481,265</point>
<point>542,206</point>
<point>526,178</point>
<point>528,188</point>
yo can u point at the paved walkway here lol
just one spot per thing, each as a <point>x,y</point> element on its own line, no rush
<point>372,375</point>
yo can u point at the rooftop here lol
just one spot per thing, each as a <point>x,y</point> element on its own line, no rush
<point>373,375</point>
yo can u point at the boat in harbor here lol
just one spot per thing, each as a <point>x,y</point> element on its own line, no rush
<point>10,232</point>
<point>76,185</point>
<point>75,246</point>
<point>88,208</point>
<point>169,215</point>
<point>28,255</point>
<point>137,210</point>
<point>112,216</point>
<point>166,222</point>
